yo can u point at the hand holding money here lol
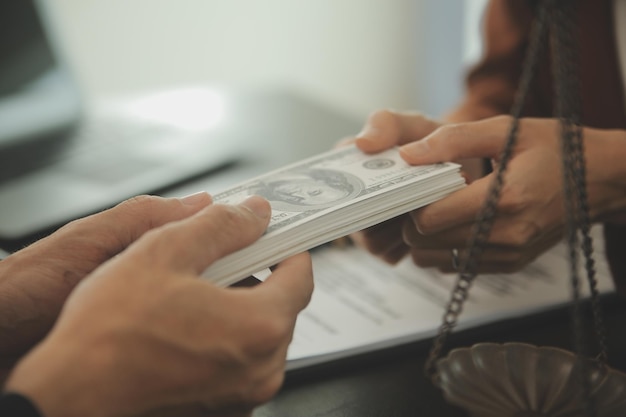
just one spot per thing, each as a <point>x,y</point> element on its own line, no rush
<point>329,196</point>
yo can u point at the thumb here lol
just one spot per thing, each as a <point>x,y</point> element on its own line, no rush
<point>483,139</point>
<point>385,129</point>
<point>194,243</point>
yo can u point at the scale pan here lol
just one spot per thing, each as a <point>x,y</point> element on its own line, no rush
<point>522,380</point>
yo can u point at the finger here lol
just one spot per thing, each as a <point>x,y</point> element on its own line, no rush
<point>290,285</point>
<point>492,260</point>
<point>456,209</point>
<point>391,253</point>
<point>101,236</point>
<point>192,244</point>
<point>382,237</point>
<point>395,255</point>
<point>132,218</point>
<point>482,139</point>
<point>456,237</point>
<point>197,410</point>
<point>186,410</point>
<point>505,232</point>
<point>385,129</point>
<point>223,413</point>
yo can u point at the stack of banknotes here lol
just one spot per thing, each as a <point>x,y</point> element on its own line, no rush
<point>329,196</point>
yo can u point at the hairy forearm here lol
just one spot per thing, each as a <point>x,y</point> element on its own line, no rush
<point>29,304</point>
<point>13,324</point>
<point>26,309</point>
<point>52,375</point>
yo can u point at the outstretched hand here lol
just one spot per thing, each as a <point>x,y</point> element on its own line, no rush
<point>143,333</point>
<point>530,214</point>
<point>36,281</point>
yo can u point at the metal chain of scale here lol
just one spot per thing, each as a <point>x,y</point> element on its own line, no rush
<point>559,17</point>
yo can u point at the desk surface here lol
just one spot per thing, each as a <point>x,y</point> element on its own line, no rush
<point>391,383</point>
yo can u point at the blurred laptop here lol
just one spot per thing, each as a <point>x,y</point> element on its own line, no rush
<point>61,159</point>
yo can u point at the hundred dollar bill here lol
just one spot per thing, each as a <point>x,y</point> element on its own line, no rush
<point>329,196</point>
<point>328,181</point>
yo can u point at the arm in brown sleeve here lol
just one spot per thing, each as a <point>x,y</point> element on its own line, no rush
<point>492,83</point>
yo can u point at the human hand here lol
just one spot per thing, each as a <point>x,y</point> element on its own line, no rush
<point>530,214</point>
<point>143,334</point>
<point>385,129</point>
<point>35,281</point>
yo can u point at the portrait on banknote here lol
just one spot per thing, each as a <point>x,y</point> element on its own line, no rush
<point>309,189</point>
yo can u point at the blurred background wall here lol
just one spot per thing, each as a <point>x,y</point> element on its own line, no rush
<point>354,55</point>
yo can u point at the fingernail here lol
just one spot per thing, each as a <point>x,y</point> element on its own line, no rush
<point>258,205</point>
<point>419,148</point>
<point>366,143</point>
<point>369,133</point>
<point>195,199</point>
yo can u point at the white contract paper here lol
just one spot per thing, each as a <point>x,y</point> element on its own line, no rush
<point>361,304</point>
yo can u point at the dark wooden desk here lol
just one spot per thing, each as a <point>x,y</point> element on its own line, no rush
<point>391,384</point>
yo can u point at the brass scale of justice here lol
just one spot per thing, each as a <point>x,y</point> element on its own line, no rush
<point>517,379</point>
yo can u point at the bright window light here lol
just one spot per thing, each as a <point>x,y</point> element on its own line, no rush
<point>193,109</point>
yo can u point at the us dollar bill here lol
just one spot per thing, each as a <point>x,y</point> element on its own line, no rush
<point>327,182</point>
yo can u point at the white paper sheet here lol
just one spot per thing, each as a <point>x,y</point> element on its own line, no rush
<point>362,304</point>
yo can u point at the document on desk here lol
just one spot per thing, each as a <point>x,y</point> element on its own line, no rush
<point>361,304</point>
